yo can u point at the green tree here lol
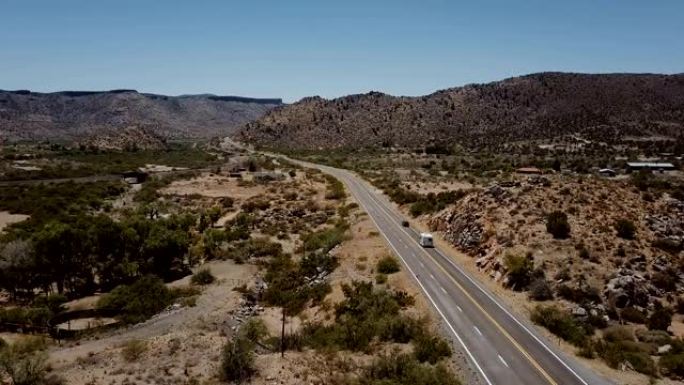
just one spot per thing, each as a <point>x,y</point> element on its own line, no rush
<point>139,301</point>
<point>163,251</point>
<point>62,256</point>
<point>17,267</point>
<point>557,225</point>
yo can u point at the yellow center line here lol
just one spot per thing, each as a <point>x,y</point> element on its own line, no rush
<point>493,321</point>
<point>503,331</point>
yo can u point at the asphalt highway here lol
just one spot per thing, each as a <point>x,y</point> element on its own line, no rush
<point>504,348</point>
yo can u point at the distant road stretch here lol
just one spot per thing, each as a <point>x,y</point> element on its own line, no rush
<point>504,349</point>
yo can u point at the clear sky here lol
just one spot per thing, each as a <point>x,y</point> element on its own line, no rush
<point>292,49</point>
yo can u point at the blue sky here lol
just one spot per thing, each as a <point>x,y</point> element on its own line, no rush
<point>293,49</point>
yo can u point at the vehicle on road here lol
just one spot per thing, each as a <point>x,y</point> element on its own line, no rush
<point>426,240</point>
<point>404,223</point>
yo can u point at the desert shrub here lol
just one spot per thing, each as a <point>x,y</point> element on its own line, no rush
<point>672,365</point>
<point>256,204</point>
<point>253,248</point>
<point>237,360</point>
<point>388,265</point>
<point>404,369</point>
<point>617,334</point>
<point>583,294</point>
<point>654,337</point>
<point>660,319</point>
<point>431,349</point>
<point>24,362</point>
<point>625,228</point>
<point>399,329</point>
<point>132,350</point>
<point>641,362</point>
<point>364,314</point>
<point>560,323</point>
<point>326,240</point>
<point>557,225</point>
<point>254,330</point>
<point>139,301</point>
<point>432,202</point>
<point>335,188</point>
<point>26,316</point>
<point>54,302</point>
<point>421,207</point>
<point>519,271</point>
<point>203,277</point>
<point>634,315</point>
<point>584,253</point>
<point>666,280</point>
<point>540,290</point>
<point>668,245</point>
<point>380,279</point>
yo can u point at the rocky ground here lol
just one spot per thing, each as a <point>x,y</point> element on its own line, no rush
<point>510,218</point>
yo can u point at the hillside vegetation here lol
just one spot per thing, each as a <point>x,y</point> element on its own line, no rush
<point>538,106</point>
<point>71,115</point>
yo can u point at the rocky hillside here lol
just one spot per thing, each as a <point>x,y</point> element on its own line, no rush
<point>620,268</point>
<point>536,106</point>
<point>73,115</point>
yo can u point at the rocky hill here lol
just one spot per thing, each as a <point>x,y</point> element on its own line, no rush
<point>71,115</point>
<point>536,106</point>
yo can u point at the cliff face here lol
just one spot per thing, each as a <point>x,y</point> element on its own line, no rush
<point>536,106</point>
<point>76,114</point>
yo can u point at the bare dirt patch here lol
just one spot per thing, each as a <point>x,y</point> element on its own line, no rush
<point>7,218</point>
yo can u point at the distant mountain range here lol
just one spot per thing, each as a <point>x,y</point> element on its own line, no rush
<point>73,115</point>
<point>537,106</point>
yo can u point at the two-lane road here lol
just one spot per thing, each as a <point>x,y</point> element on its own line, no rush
<point>504,349</point>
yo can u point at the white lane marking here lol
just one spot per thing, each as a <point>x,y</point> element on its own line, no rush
<point>451,327</point>
<point>503,361</point>
<point>514,319</point>
<point>443,290</point>
<point>432,276</point>
<point>459,308</point>
<point>406,246</point>
<point>477,330</point>
<point>392,218</point>
<point>421,263</point>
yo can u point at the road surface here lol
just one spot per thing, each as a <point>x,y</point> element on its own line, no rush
<point>503,348</point>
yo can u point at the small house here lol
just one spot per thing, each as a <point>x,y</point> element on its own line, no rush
<point>607,172</point>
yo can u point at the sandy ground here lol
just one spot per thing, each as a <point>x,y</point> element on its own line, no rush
<point>426,188</point>
<point>187,338</point>
<point>6,218</point>
<point>214,186</point>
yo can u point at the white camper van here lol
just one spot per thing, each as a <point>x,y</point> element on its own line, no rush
<point>426,240</point>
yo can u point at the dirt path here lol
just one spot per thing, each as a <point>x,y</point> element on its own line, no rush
<point>211,307</point>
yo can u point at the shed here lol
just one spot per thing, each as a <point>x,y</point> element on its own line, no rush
<point>654,166</point>
<point>134,177</point>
